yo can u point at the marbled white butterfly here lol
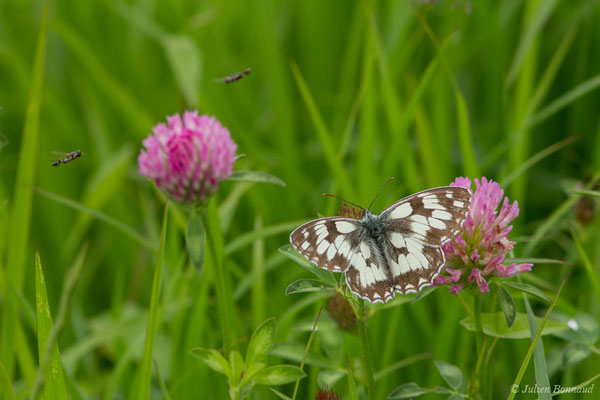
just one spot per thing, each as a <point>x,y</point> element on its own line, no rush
<point>398,250</point>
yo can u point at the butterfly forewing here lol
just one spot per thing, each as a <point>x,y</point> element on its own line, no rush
<point>433,216</point>
<point>328,242</point>
<point>416,227</point>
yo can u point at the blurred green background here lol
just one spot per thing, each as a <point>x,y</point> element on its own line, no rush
<point>342,95</point>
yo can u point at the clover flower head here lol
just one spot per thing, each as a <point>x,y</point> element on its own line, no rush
<point>187,158</point>
<point>327,394</point>
<point>479,250</point>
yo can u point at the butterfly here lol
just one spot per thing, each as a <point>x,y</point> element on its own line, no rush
<point>398,250</point>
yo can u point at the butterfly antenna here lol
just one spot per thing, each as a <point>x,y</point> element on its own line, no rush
<point>380,190</point>
<point>346,201</point>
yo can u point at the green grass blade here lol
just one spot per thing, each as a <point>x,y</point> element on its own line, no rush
<point>553,218</point>
<point>259,300</point>
<point>71,280</point>
<point>145,371</point>
<point>563,101</point>
<point>539,356</point>
<point>310,338</point>
<point>126,102</point>
<point>54,383</point>
<point>22,200</point>
<point>535,23</point>
<point>587,263</point>
<point>535,159</point>
<point>462,112</point>
<point>411,109</point>
<point>464,135</point>
<point>99,215</point>
<point>525,362</point>
<point>6,390</point>
<point>553,66</point>
<point>323,133</point>
<point>163,386</point>
<point>247,239</point>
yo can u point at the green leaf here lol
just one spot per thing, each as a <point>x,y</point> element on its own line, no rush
<point>255,176</point>
<point>252,370</point>
<point>278,375</point>
<point>509,308</point>
<point>324,274</point>
<point>582,329</point>
<point>450,373</point>
<point>261,342</point>
<point>408,390</point>
<point>237,366</point>
<point>308,285</point>
<point>195,238</point>
<point>152,328</point>
<point>54,386</point>
<point>456,396</point>
<point>574,353</point>
<point>494,324</point>
<point>530,289</point>
<point>214,360</point>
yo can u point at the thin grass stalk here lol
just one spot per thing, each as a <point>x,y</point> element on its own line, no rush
<point>153,315</point>
<point>358,306</point>
<point>21,208</point>
<point>525,362</point>
<point>310,338</point>
<point>219,276</point>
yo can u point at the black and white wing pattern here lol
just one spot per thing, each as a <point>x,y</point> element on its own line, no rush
<point>328,242</point>
<point>397,251</point>
<point>415,229</point>
<point>340,245</point>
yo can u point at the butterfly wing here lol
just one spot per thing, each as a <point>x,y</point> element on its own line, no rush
<point>416,227</point>
<point>433,216</point>
<point>368,275</point>
<point>328,242</point>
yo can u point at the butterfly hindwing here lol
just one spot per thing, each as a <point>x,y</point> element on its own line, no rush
<point>413,264</point>
<point>328,242</point>
<point>367,275</point>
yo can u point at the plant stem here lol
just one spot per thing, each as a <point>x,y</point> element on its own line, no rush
<point>480,344</point>
<point>365,350</point>
<point>478,327</point>
<point>222,303</point>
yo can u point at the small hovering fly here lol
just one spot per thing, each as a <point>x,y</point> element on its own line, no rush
<point>234,77</point>
<point>67,157</point>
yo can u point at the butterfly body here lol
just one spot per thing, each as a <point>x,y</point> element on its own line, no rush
<point>398,250</point>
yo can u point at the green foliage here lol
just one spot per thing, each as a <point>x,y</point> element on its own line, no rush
<point>451,374</point>
<point>339,99</point>
<point>243,375</point>
<point>53,381</point>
